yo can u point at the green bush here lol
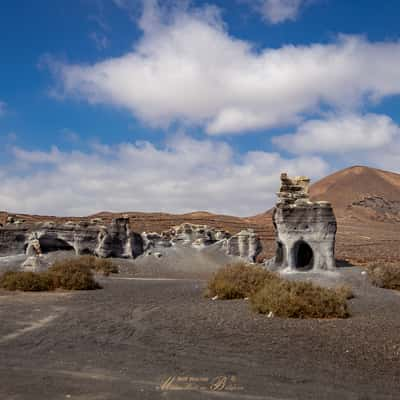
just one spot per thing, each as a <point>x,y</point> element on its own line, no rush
<point>385,275</point>
<point>236,281</point>
<point>296,299</point>
<point>27,281</point>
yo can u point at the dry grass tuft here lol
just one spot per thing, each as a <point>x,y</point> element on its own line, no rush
<point>237,281</point>
<point>70,274</point>
<point>270,293</point>
<point>345,291</point>
<point>26,281</point>
<point>385,275</point>
<point>296,299</point>
<point>103,265</point>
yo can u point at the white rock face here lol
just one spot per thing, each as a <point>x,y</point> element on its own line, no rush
<point>33,264</point>
<point>118,240</point>
<point>305,231</point>
<point>114,240</point>
<point>244,244</point>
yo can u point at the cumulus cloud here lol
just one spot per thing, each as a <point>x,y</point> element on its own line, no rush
<point>341,134</point>
<point>184,175</point>
<point>277,11</point>
<point>187,68</point>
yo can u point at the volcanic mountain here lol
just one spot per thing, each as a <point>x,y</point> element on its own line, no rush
<point>361,192</point>
<point>366,203</point>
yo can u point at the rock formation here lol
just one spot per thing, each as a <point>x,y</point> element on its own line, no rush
<point>114,240</point>
<point>244,244</point>
<point>34,253</point>
<point>305,231</point>
<point>117,239</point>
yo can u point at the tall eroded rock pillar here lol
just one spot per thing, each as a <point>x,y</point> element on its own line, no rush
<point>304,230</point>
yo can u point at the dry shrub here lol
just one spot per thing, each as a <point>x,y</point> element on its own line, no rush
<point>345,291</point>
<point>70,275</point>
<point>27,281</point>
<point>270,293</point>
<point>103,265</point>
<point>237,281</point>
<point>385,275</point>
<point>296,299</point>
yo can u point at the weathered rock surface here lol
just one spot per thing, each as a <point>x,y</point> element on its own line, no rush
<point>305,230</point>
<point>114,240</point>
<point>117,240</point>
<point>244,244</point>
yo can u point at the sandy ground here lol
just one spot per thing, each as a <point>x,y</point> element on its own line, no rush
<point>161,339</point>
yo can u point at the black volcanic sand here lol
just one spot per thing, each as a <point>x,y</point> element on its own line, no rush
<point>123,341</point>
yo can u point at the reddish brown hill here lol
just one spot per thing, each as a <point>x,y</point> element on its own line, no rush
<point>367,206</point>
<point>353,189</point>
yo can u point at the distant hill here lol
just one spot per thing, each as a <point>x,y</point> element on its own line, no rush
<point>361,192</point>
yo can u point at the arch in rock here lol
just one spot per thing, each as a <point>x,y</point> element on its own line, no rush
<point>303,256</point>
<point>49,243</point>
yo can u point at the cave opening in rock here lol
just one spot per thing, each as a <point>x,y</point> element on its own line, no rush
<point>52,243</point>
<point>279,254</point>
<point>303,256</point>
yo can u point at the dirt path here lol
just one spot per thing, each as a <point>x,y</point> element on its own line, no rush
<point>161,339</point>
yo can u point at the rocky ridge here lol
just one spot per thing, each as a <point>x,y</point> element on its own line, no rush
<point>117,239</point>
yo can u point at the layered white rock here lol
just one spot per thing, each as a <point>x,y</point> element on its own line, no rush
<point>244,244</point>
<point>118,240</point>
<point>305,231</point>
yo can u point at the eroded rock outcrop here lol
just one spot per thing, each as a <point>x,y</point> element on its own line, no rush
<point>114,240</point>
<point>118,240</point>
<point>305,231</point>
<point>244,244</point>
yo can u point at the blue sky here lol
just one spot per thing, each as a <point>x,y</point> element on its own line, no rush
<point>186,105</point>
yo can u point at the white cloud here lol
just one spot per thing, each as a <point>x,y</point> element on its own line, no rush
<point>277,11</point>
<point>370,139</point>
<point>184,175</point>
<point>187,68</point>
<point>341,134</point>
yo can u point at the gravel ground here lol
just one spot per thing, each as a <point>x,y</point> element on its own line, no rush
<point>126,340</point>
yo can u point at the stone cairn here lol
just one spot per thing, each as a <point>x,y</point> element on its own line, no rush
<point>304,230</point>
